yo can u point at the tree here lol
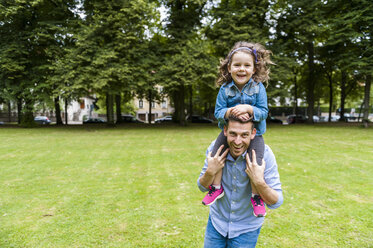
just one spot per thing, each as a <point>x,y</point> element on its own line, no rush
<point>298,29</point>
<point>30,37</point>
<point>181,63</point>
<point>105,57</point>
<point>238,20</point>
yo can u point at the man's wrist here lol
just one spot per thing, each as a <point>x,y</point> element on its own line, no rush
<point>260,183</point>
<point>209,173</point>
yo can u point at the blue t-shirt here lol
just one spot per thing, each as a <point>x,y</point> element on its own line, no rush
<point>252,93</point>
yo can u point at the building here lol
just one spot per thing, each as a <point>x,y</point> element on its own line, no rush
<point>77,110</point>
<point>159,109</point>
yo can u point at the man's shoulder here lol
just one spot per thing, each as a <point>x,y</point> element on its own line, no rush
<point>269,157</point>
<point>267,149</point>
<point>211,146</point>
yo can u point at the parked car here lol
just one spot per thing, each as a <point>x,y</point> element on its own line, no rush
<point>273,120</point>
<point>130,119</point>
<point>167,118</point>
<point>296,119</point>
<point>93,121</point>
<point>334,118</point>
<point>43,120</point>
<point>316,118</point>
<point>199,119</point>
<point>1,123</point>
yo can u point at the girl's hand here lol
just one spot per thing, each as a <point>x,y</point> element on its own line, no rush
<point>244,117</point>
<point>242,109</point>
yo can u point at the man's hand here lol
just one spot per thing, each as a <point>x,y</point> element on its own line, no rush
<point>256,175</point>
<point>253,170</point>
<point>216,163</point>
<point>241,109</point>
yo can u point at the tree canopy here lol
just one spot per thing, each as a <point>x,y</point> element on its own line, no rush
<point>63,50</point>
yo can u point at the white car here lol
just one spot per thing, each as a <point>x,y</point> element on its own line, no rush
<point>167,118</point>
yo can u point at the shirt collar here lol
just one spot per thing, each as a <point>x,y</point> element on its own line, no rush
<point>239,158</point>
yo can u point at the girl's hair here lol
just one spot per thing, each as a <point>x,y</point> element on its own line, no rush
<point>261,61</point>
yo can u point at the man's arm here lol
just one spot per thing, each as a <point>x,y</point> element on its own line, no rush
<point>271,195</point>
<point>214,165</point>
<point>268,195</point>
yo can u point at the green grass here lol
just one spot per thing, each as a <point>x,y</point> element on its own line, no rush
<point>136,187</point>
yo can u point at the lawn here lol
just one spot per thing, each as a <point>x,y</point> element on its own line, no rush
<point>136,186</point>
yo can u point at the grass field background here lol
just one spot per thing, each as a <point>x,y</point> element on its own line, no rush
<point>135,186</point>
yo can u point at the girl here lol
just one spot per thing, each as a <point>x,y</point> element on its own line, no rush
<point>242,94</point>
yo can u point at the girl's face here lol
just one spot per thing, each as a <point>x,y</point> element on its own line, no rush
<point>241,68</point>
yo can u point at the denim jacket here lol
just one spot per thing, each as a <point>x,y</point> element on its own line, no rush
<point>252,93</point>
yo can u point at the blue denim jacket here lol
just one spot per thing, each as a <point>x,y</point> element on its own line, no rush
<point>232,214</point>
<point>252,93</point>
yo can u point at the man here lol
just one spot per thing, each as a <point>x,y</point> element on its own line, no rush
<point>231,222</point>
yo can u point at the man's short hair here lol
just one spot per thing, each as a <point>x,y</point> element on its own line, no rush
<point>235,118</point>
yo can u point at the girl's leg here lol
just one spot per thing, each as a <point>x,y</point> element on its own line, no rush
<point>216,189</point>
<point>257,144</point>
<point>220,140</point>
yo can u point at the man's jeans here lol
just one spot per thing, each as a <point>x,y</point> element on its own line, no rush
<point>213,239</point>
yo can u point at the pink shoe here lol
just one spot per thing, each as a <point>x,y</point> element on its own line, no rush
<point>258,206</point>
<point>213,195</point>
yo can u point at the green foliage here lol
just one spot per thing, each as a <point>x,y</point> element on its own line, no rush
<point>32,36</point>
<point>48,51</point>
<point>232,21</point>
<point>187,58</point>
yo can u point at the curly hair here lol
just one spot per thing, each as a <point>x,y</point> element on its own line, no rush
<point>261,64</point>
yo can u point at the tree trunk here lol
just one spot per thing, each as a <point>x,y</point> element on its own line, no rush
<point>343,96</point>
<point>330,96</point>
<point>182,105</point>
<point>367,96</point>
<point>58,110</point>
<point>150,100</point>
<point>295,111</point>
<point>19,110</point>
<point>179,104</point>
<point>9,111</point>
<point>360,109</point>
<point>27,115</point>
<point>190,112</point>
<point>311,82</point>
<point>118,103</point>
<point>66,116</point>
<point>110,109</point>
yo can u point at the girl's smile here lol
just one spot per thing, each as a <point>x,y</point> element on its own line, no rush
<point>241,68</point>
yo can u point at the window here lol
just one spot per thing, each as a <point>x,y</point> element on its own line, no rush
<point>164,104</point>
<point>141,104</point>
<point>82,104</point>
<point>153,104</point>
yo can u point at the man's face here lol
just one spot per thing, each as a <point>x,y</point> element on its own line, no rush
<point>239,136</point>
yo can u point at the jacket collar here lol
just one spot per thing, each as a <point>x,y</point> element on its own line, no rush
<point>233,88</point>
